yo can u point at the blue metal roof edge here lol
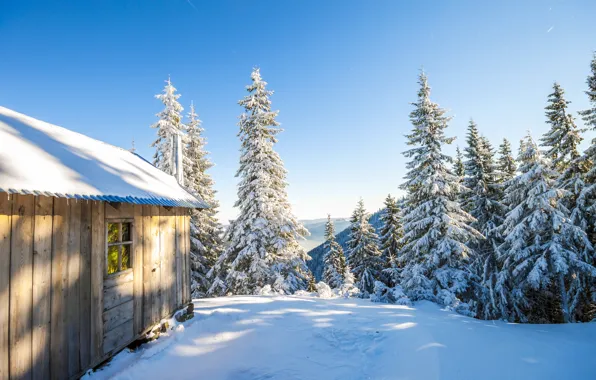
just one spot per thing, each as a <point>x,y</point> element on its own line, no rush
<point>155,201</point>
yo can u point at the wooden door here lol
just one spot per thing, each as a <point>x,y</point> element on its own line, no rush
<point>118,293</point>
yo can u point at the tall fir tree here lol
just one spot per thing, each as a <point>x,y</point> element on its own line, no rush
<point>471,165</point>
<point>390,240</point>
<point>358,213</point>
<point>435,253</point>
<point>589,115</point>
<point>543,252</point>
<point>489,212</point>
<point>584,213</point>
<point>506,166</point>
<point>587,200</point>
<point>262,243</point>
<point>335,260</point>
<point>168,127</point>
<point>205,231</point>
<point>563,138</point>
<point>364,257</point>
<point>459,168</point>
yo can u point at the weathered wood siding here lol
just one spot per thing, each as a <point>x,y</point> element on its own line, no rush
<point>52,271</point>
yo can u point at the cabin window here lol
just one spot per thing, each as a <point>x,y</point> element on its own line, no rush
<point>119,247</point>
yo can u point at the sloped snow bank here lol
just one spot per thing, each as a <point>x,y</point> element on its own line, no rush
<point>309,337</point>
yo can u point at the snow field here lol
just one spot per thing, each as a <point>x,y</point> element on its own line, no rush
<point>291,337</point>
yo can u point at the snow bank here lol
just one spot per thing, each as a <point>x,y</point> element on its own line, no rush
<point>305,337</point>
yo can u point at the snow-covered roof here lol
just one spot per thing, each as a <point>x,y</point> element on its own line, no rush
<point>43,159</point>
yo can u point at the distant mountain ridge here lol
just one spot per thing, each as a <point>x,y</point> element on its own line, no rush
<point>317,254</point>
<point>316,227</point>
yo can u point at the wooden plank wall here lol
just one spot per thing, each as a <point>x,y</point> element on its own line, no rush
<point>5,226</point>
<point>52,265</point>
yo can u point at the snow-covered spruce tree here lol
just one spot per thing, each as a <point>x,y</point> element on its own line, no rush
<point>489,213</point>
<point>335,260</point>
<point>434,253</point>
<point>364,257</point>
<point>542,254</point>
<point>459,168</point>
<point>589,115</point>
<point>587,200</point>
<point>168,126</point>
<point>584,213</point>
<point>312,285</point>
<point>358,213</point>
<point>262,243</point>
<point>391,234</point>
<point>205,231</point>
<point>506,165</point>
<point>563,138</point>
<point>471,165</point>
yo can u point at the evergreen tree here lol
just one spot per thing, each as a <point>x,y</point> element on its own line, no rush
<point>262,243</point>
<point>391,235</point>
<point>358,213</point>
<point>584,213</point>
<point>364,257</point>
<point>459,167</point>
<point>506,165</point>
<point>471,165</point>
<point>335,260</point>
<point>543,252</point>
<point>168,127</point>
<point>312,285</point>
<point>489,213</point>
<point>586,210</point>
<point>589,115</point>
<point>436,228</point>
<point>563,138</point>
<point>205,230</point>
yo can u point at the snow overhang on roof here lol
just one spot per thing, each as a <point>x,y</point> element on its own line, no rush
<point>43,159</point>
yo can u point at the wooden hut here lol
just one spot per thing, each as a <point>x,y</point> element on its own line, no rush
<point>94,249</point>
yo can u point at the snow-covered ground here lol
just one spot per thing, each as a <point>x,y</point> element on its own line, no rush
<point>274,337</point>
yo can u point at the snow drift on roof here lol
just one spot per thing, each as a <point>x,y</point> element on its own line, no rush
<point>43,159</point>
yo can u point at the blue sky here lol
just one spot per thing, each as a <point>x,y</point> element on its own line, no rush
<point>343,72</point>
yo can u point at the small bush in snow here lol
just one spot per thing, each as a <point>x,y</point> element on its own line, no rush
<point>348,289</point>
<point>383,293</point>
<point>266,291</point>
<point>324,291</point>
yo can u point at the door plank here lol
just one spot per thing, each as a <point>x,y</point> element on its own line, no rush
<point>118,337</point>
<point>117,295</point>
<point>118,315</point>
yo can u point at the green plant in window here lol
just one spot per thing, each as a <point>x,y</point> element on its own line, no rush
<point>112,259</point>
<point>125,257</point>
<point>126,232</point>
<point>113,232</point>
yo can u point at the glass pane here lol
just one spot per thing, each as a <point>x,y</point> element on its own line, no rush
<point>112,259</point>
<point>126,232</point>
<point>126,256</point>
<point>112,232</point>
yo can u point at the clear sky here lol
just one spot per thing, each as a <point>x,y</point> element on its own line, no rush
<point>343,72</point>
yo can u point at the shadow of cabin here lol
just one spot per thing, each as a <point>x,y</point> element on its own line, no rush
<point>60,312</point>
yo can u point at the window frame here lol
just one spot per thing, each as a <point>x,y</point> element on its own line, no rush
<point>119,244</point>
